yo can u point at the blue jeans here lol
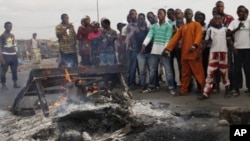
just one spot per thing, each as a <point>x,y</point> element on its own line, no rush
<point>142,64</point>
<point>153,66</point>
<point>85,60</point>
<point>68,60</point>
<point>131,66</point>
<point>107,59</point>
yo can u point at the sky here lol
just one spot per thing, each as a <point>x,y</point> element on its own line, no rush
<point>29,16</point>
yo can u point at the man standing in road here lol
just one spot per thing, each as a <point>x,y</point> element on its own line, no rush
<point>8,56</point>
<point>191,35</point>
<point>35,50</point>
<point>67,43</point>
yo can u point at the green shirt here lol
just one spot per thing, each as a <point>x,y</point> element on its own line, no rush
<point>160,34</point>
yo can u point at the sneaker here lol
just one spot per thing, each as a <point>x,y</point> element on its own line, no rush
<point>202,97</point>
<point>157,87</point>
<point>172,92</point>
<point>149,90</point>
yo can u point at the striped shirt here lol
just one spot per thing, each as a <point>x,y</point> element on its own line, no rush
<point>161,34</point>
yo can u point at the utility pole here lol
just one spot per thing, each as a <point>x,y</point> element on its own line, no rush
<point>97,9</point>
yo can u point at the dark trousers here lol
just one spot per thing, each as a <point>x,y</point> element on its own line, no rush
<point>176,53</point>
<point>241,60</point>
<point>85,60</point>
<point>68,60</point>
<point>12,61</point>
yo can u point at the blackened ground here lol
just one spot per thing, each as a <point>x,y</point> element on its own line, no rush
<point>168,133</point>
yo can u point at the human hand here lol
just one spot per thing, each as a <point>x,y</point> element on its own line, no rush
<point>142,51</point>
<point>234,50</point>
<point>69,25</point>
<point>241,24</point>
<point>165,53</point>
<point>191,49</point>
<point>2,61</point>
<point>198,55</point>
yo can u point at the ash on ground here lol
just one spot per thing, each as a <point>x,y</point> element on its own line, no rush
<point>142,120</point>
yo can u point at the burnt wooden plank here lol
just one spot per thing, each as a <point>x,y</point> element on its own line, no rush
<point>42,98</point>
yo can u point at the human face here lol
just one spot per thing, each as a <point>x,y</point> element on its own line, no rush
<point>87,21</point>
<point>178,14</point>
<point>8,27</point>
<point>220,7</point>
<point>188,15</point>
<point>133,15</point>
<point>241,12</point>
<point>171,15</point>
<point>161,15</point>
<point>151,18</point>
<point>65,19</point>
<point>141,20</point>
<point>214,11</point>
<point>200,18</point>
<point>217,20</point>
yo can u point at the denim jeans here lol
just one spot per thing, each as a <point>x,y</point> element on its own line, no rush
<point>85,60</point>
<point>68,60</point>
<point>107,59</point>
<point>153,66</point>
<point>142,64</point>
<point>131,66</point>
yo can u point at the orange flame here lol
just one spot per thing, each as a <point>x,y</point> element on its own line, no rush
<point>58,102</point>
<point>67,76</point>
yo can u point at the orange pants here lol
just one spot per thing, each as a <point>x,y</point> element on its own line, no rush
<point>190,68</point>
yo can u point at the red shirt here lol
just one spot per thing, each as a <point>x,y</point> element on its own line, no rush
<point>82,36</point>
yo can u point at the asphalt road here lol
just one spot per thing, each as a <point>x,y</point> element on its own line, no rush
<point>180,103</point>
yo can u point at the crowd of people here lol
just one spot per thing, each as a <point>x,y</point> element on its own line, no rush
<point>206,53</point>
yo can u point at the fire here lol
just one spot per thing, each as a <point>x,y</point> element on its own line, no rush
<point>67,76</point>
<point>58,102</point>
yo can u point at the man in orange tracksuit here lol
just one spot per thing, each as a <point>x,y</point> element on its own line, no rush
<point>190,35</point>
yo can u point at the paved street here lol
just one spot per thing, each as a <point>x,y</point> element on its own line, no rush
<point>178,103</point>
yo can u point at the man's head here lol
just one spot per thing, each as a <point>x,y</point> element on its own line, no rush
<point>171,14</point>
<point>34,35</point>
<point>214,11</point>
<point>161,14</point>
<point>151,17</point>
<point>188,14</point>
<point>141,19</point>
<point>217,20</point>
<point>133,15</point>
<point>220,7</point>
<point>85,20</point>
<point>8,26</point>
<point>119,26</point>
<point>105,24</point>
<point>95,25</point>
<point>65,18</point>
<point>241,12</point>
<point>200,17</point>
<point>178,14</point>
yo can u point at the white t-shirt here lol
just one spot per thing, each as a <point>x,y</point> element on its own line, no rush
<point>34,43</point>
<point>218,37</point>
<point>242,36</point>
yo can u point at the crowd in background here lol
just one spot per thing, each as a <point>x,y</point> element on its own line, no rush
<point>206,53</point>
